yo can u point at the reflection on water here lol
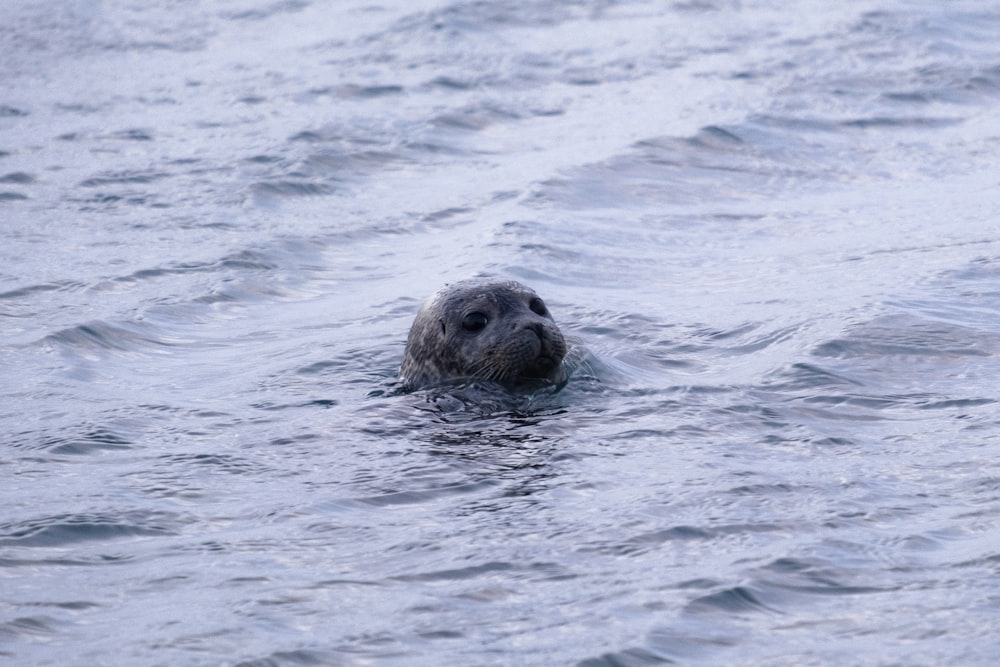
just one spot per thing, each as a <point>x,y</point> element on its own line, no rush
<point>771,231</point>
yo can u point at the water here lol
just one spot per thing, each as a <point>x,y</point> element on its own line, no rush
<point>773,228</point>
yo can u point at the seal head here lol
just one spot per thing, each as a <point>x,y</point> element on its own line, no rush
<point>476,330</point>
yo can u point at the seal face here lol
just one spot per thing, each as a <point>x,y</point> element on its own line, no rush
<point>479,330</point>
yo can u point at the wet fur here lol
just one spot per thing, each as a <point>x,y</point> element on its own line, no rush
<point>517,346</point>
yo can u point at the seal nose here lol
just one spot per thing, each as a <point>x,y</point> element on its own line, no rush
<point>545,337</point>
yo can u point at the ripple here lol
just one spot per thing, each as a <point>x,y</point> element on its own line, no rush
<point>631,657</point>
<point>298,657</point>
<point>267,11</point>
<point>126,337</point>
<point>65,529</point>
<point>899,122</point>
<point>361,92</point>
<point>423,496</point>
<point>228,463</point>
<point>805,376</point>
<point>286,188</point>
<point>98,440</point>
<point>735,600</point>
<point>31,290</point>
<point>18,177</point>
<point>123,178</point>
<point>27,627</point>
<point>242,260</point>
<point>471,572</point>
<point>812,576</point>
<point>134,134</point>
<point>644,542</point>
<point>475,118</point>
<point>902,337</point>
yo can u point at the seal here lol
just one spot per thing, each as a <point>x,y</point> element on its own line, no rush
<point>486,331</point>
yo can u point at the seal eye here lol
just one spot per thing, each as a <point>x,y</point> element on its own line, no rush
<point>474,322</point>
<point>537,306</point>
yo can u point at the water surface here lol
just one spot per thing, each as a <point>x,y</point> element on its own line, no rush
<point>773,228</point>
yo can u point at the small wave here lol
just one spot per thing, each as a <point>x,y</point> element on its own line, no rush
<point>471,572</point>
<point>123,178</point>
<point>286,188</point>
<point>357,91</point>
<point>477,117</point>
<point>134,134</point>
<point>810,576</point>
<point>297,657</point>
<point>735,600</point>
<point>226,463</point>
<point>423,496</point>
<point>800,376</point>
<point>96,440</point>
<point>267,11</point>
<point>630,657</point>
<point>243,260</point>
<point>63,529</point>
<point>18,177</point>
<point>31,290</point>
<point>103,336</point>
<point>644,542</point>
<point>26,627</point>
<point>903,336</point>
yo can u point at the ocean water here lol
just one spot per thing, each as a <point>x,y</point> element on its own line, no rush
<point>772,228</point>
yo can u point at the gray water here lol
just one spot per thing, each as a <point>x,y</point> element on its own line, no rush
<point>773,227</point>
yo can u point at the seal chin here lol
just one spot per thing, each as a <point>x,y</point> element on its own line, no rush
<point>541,369</point>
<point>544,371</point>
